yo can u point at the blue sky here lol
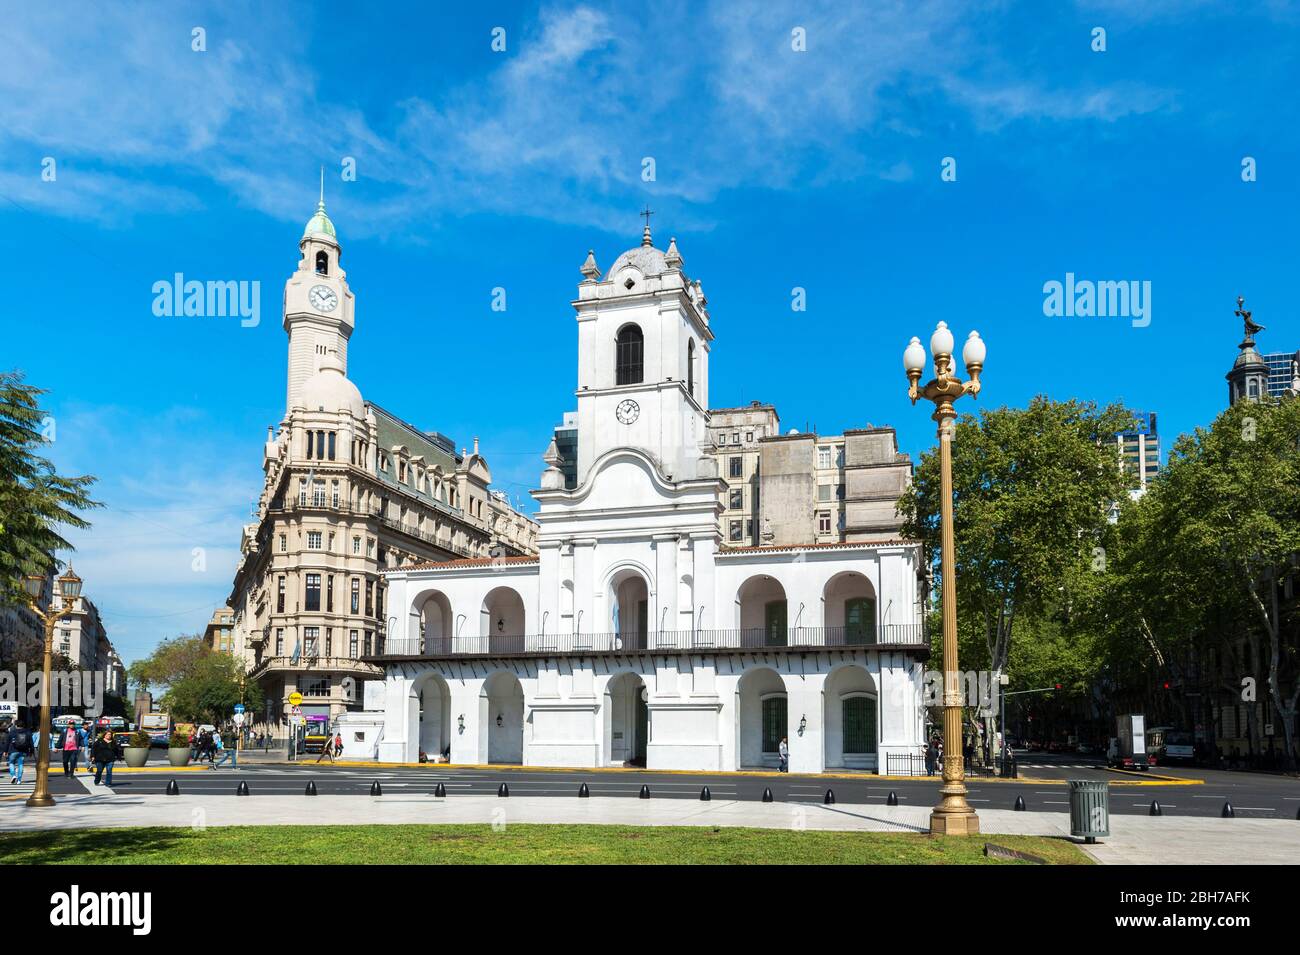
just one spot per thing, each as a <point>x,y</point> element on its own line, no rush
<point>775,169</point>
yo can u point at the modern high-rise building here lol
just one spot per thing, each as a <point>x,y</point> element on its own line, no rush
<point>1283,372</point>
<point>1139,451</point>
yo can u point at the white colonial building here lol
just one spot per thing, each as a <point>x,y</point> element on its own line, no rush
<point>636,637</point>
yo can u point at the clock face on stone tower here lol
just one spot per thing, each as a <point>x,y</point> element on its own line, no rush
<point>323,298</point>
<point>627,411</point>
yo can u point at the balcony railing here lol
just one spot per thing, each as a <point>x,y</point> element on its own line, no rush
<point>305,662</point>
<point>892,635</point>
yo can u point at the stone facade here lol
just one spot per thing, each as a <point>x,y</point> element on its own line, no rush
<point>350,490</point>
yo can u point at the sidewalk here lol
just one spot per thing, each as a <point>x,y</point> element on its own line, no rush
<point>1134,840</point>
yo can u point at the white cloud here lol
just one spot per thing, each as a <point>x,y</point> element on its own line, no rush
<point>557,129</point>
<point>164,496</point>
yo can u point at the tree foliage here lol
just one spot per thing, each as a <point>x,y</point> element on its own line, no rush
<point>35,500</point>
<point>202,685</point>
<point>1032,489</point>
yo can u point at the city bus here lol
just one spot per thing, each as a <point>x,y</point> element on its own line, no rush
<point>158,726</point>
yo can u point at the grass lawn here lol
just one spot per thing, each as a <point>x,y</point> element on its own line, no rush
<point>444,844</point>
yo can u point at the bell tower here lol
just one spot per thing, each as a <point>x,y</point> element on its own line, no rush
<point>643,360</point>
<point>318,305</point>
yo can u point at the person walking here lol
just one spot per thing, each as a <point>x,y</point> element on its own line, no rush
<point>106,752</point>
<point>228,754</point>
<point>71,749</point>
<point>783,753</point>
<point>18,746</point>
<point>327,749</point>
<point>338,745</point>
<point>931,757</point>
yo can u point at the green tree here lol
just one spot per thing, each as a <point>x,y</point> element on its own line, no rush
<point>1033,488</point>
<point>35,500</point>
<point>1208,549</point>
<point>202,685</point>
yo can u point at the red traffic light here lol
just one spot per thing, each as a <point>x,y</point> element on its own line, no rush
<point>1166,684</point>
<point>1058,686</point>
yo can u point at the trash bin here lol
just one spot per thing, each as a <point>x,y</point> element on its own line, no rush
<point>1089,808</point>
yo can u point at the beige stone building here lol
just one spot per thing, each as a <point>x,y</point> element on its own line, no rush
<point>219,633</point>
<point>350,490</point>
<point>805,488</point>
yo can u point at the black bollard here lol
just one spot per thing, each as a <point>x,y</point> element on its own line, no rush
<point>376,789</point>
<point>311,788</point>
<point>583,792</point>
<point>440,790</point>
<point>767,795</point>
<point>645,793</point>
<point>893,799</point>
<point>830,798</point>
<point>705,795</point>
<point>172,788</point>
<point>242,789</point>
<point>1227,811</point>
<point>1020,804</point>
<point>1155,809</point>
<point>503,790</point>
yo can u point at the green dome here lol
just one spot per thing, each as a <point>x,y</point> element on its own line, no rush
<point>319,223</point>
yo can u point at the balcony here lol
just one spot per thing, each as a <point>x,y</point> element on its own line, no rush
<point>305,663</point>
<point>887,637</point>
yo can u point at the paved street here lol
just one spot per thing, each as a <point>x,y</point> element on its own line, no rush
<point>1252,795</point>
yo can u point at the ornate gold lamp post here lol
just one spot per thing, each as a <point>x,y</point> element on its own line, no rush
<point>953,815</point>
<point>66,590</point>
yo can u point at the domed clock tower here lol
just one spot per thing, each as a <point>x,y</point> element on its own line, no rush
<point>318,305</point>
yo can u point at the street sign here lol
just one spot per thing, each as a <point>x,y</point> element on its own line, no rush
<point>295,698</point>
<point>295,721</point>
<point>239,707</point>
<point>239,719</point>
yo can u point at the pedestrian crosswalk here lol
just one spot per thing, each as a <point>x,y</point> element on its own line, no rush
<point>1058,766</point>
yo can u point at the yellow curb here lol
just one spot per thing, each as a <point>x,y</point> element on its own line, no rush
<point>1159,778</point>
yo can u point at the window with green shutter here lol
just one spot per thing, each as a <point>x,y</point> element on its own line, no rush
<point>774,723</point>
<point>859,714</point>
<point>859,621</point>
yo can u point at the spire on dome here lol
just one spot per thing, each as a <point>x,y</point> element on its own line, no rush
<point>645,235</point>
<point>673,258</point>
<point>589,270</point>
<point>320,223</point>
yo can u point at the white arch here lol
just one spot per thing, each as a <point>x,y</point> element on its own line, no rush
<point>756,686</point>
<point>502,698</point>
<point>849,681</point>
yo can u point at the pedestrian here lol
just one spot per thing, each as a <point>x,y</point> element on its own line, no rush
<point>327,749</point>
<point>105,752</point>
<point>783,753</point>
<point>18,746</point>
<point>71,749</point>
<point>338,745</point>
<point>228,754</point>
<point>931,756</point>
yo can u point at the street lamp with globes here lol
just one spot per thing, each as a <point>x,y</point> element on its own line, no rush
<point>67,589</point>
<point>953,815</point>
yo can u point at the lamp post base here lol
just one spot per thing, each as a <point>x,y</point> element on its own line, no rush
<point>39,802</point>
<point>954,823</point>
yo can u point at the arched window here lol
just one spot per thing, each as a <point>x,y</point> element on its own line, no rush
<point>629,355</point>
<point>322,263</point>
<point>690,367</point>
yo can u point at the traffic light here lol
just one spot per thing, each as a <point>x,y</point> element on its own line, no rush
<point>1059,686</point>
